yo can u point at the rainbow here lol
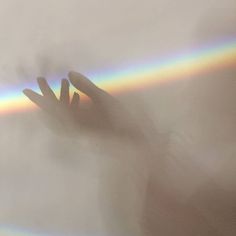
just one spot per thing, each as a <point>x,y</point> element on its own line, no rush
<point>181,66</point>
<point>203,60</point>
<point>12,231</point>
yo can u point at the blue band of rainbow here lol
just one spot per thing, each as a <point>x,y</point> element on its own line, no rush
<point>206,59</point>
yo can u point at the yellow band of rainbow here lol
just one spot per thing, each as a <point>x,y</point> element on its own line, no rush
<point>207,59</point>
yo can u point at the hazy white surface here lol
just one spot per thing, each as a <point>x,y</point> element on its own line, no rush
<point>49,184</point>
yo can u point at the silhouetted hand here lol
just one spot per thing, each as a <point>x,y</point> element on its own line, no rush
<point>103,114</point>
<point>62,109</point>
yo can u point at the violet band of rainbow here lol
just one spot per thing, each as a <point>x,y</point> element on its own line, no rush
<point>182,66</point>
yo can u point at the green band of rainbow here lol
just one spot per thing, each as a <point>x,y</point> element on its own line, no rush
<point>222,55</point>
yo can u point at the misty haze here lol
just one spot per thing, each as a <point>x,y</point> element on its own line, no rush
<point>141,160</point>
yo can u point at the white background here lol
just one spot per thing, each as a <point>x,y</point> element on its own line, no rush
<point>42,190</point>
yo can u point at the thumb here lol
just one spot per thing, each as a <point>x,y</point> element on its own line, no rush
<point>83,84</point>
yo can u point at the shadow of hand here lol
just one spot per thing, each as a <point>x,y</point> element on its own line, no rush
<point>104,115</point>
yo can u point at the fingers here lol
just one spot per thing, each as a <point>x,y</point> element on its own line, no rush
<point>46,90</point>
<point>78,80</point>
<point>84,85</point>
<point>35,98</point>
<point>65,95</point>
<point>75,102</point>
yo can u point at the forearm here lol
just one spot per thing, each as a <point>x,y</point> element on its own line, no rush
<point>124,177</point>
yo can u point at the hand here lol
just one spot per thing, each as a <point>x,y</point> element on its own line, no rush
<point>104,115</point>
<point>64,110</point>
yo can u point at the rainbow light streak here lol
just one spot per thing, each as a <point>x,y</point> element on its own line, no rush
<point>12,231</point>
<point>222,55</point>
<point>207,59</point>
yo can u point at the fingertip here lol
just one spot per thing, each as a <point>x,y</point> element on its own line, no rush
<point>42,82</point>
<point>73,73</point>
<point>76,95</point>
<point>71,76</point>
<point>75,76</point>
<point>29,93</point>
<point>65,81</point>
<point>75,100</point>
<point>83,84</point>
<point>74,80</point>
<point>40,78</point>
<point>26,91</point>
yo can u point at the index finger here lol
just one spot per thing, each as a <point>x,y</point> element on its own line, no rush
<point>45,88</point>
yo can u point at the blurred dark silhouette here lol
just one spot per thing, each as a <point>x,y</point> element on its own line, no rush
<point>103,115</point>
